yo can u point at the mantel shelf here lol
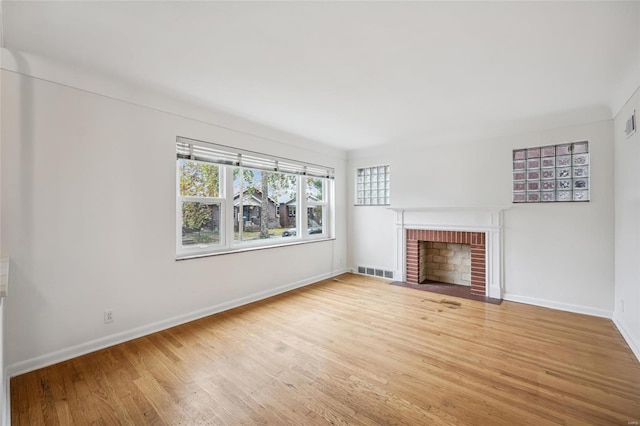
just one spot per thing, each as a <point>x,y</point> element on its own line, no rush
<point>450,208</point>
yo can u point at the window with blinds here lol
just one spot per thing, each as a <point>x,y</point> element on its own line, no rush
<point>219,154</point>
<point>233,200</point>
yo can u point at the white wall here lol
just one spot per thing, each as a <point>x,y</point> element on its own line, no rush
<point>88,217</point>
<point>556,254</point>
<point>627,226</point>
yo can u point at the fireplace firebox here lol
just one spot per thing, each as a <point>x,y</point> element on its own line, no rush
<point>477,241</point>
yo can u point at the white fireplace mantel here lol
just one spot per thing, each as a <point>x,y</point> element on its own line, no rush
<point>487,219</point>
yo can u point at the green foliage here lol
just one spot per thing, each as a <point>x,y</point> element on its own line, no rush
<point>199,179</point>
<point>248,178</point>
<point>254,179</point>
<point>195,216</point>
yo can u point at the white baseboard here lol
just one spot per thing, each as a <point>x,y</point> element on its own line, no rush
<point>114,339</point>
<point>633,343</point>
<point>578,309</point>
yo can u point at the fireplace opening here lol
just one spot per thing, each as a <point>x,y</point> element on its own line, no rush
<point>444,263</point>
<point>440,240</point>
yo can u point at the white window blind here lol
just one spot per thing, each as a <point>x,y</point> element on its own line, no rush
<point>191,149</point>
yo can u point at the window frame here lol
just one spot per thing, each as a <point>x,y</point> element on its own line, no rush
<point>535,167</point>
<point>227,242</point>
<point>181,199</point>
<point>202,200</point>
<point>324,203</point>
<point>235,244</point>
<point>360,186</point>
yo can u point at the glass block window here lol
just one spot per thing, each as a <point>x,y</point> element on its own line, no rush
<point>373,186</point>
<point>551,173</point>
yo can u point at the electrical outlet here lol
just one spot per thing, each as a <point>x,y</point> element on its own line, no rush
<point>108,316</point>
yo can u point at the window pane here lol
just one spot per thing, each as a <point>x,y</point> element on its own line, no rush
<point>198,179</point>
<point>376,186</point>
<point>315,189</point>
<point>563,170</point>
<point>200,224</point>
<point>315,224</point>
<point>257,195</point>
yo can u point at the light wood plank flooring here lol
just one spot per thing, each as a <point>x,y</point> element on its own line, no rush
<point>351,350</point>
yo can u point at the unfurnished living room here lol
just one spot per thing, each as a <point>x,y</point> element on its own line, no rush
<point>309,213</point>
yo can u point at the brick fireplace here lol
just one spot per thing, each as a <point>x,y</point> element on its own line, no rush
<point>476,240</point>
<point>479,227</point>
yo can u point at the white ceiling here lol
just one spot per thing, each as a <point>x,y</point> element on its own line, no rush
<point>351,74</point>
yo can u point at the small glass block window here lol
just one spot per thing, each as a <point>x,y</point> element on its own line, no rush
<point>373,186</point>
<point>551,173</point>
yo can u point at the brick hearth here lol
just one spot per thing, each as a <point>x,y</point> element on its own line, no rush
<point>477,241</point>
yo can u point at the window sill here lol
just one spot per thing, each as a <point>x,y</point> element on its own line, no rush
<point>221,252</point>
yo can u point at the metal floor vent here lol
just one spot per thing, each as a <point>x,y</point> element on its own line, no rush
<point>375,272</point>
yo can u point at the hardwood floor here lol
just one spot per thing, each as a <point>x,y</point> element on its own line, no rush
<point>351,350</point>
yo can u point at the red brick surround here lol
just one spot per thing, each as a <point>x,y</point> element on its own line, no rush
<point>477,240</point>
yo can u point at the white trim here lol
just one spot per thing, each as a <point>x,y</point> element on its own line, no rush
<point>561,306</point>
<point>460,228</point>
<point>449,208</point>
<point>301,203</point>
<point>105,342</point>
<point>251,246</point>
<point>628,337</point>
